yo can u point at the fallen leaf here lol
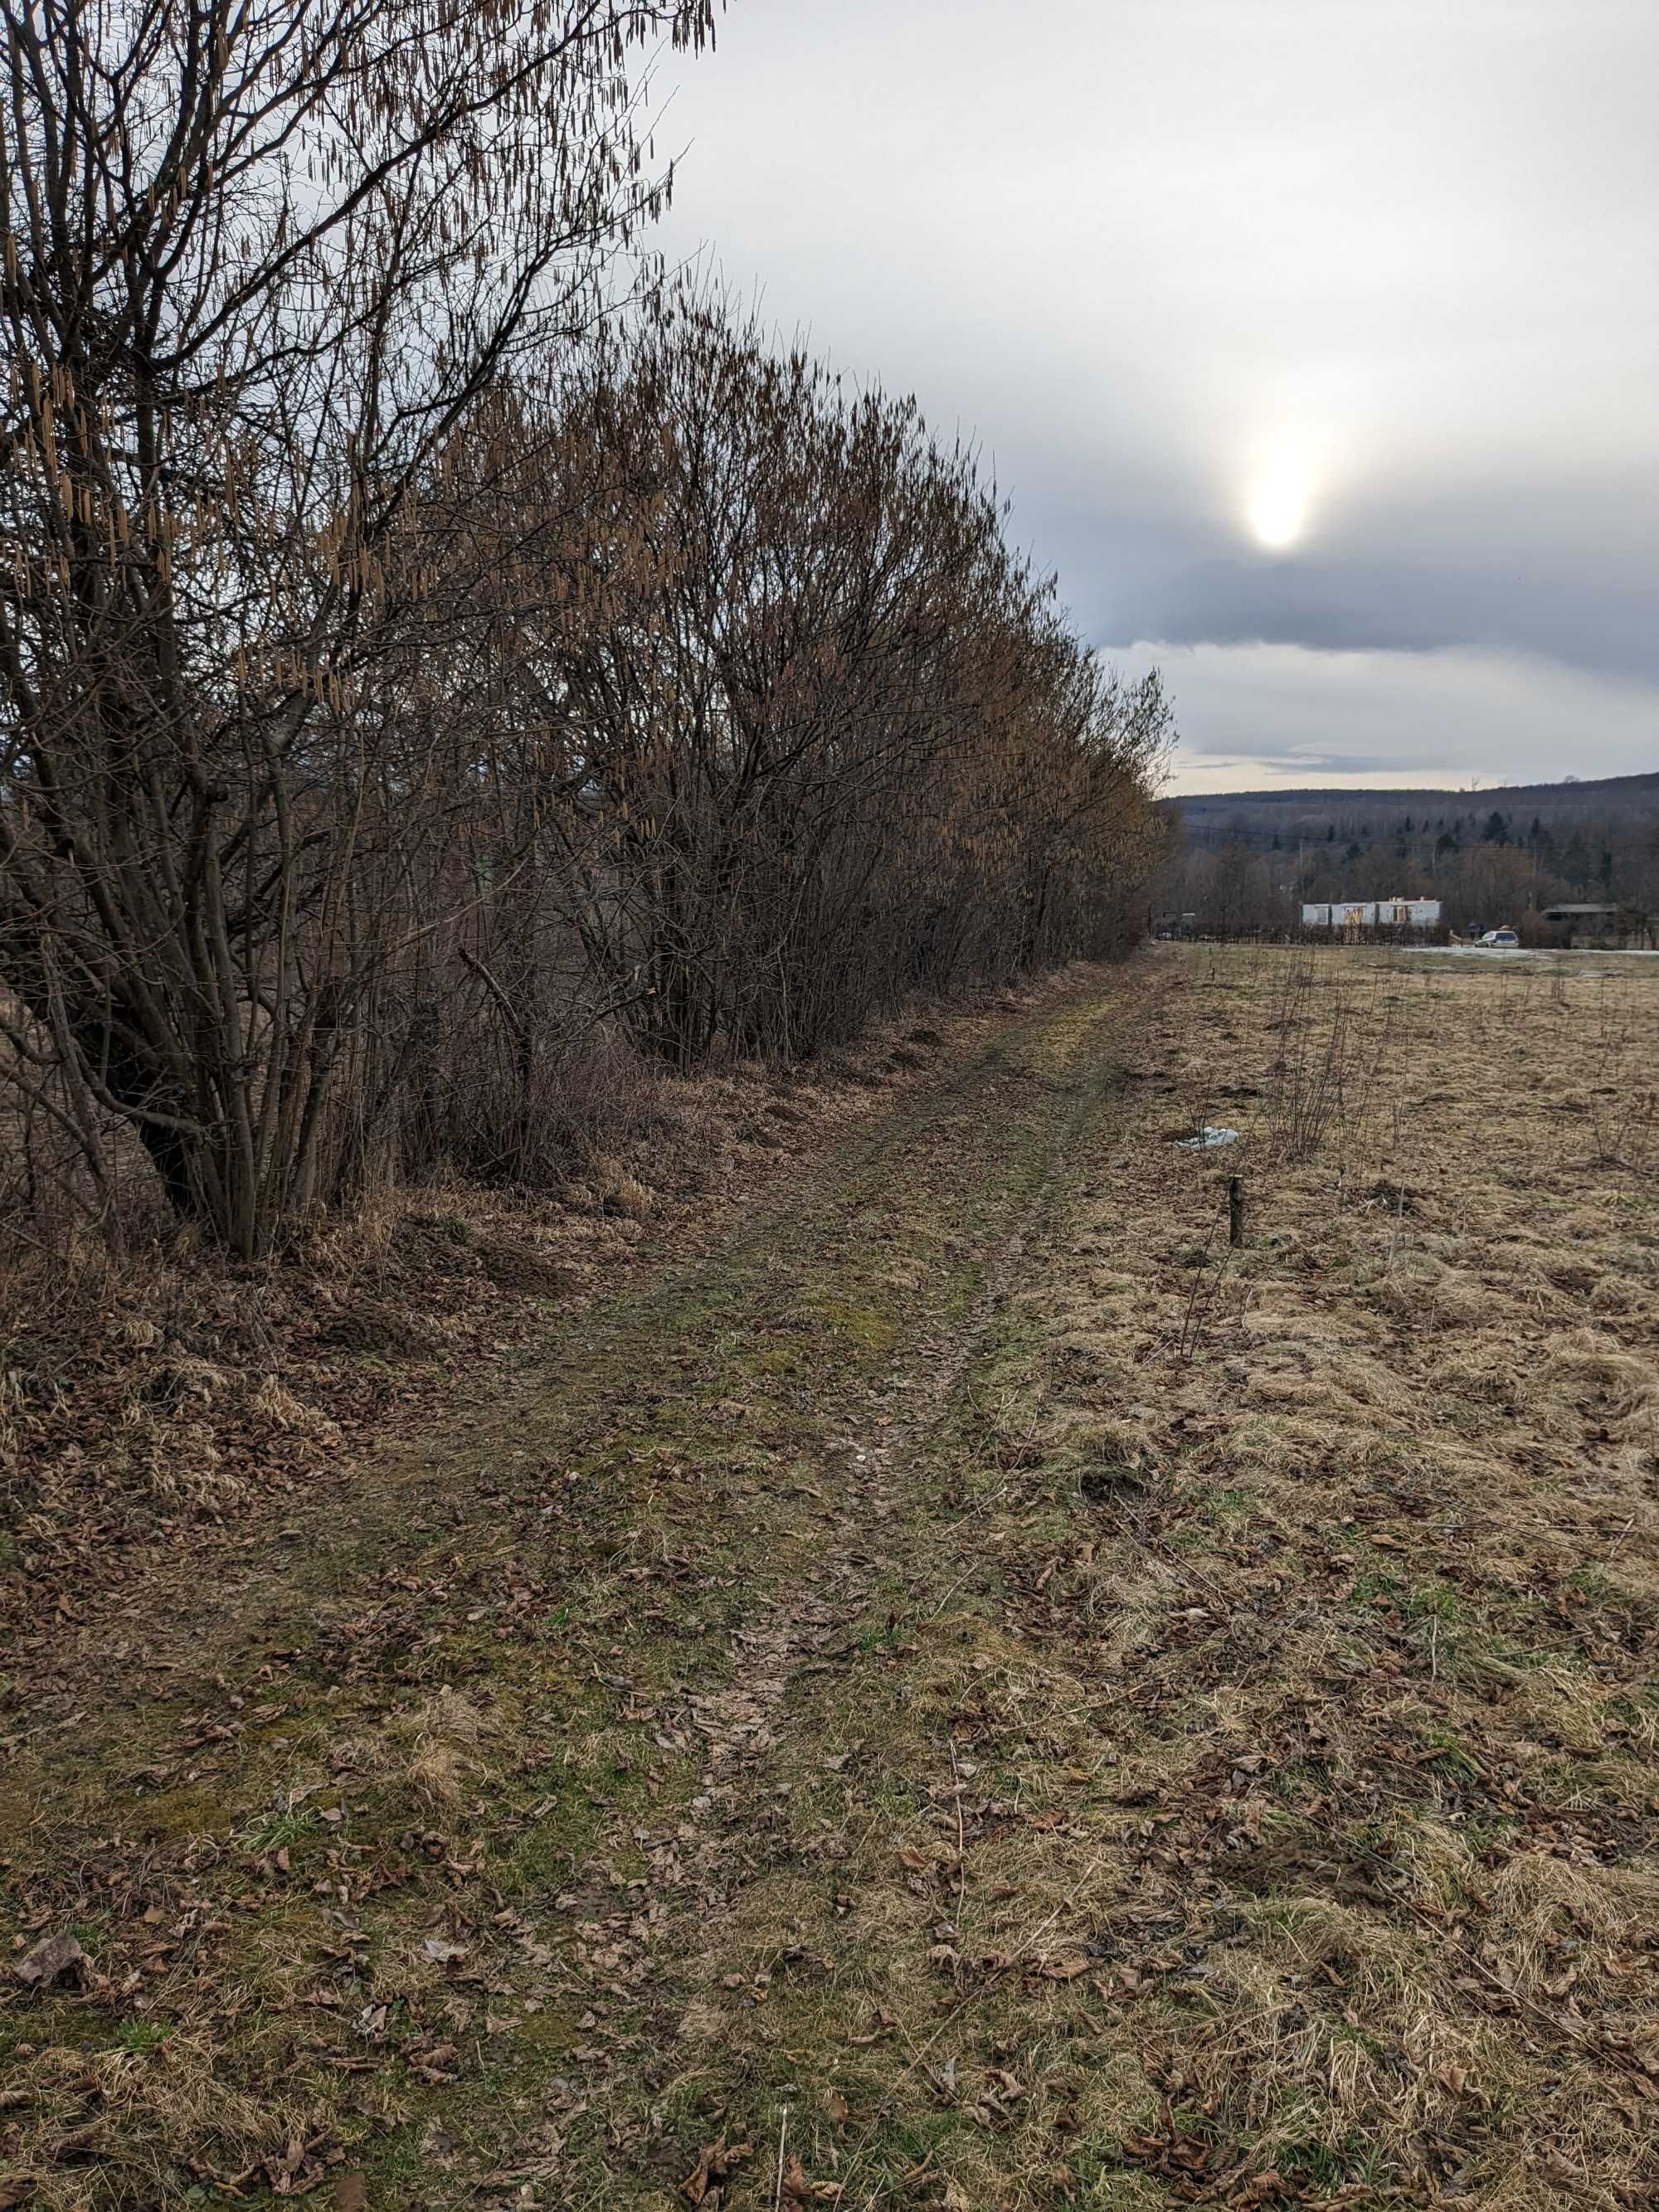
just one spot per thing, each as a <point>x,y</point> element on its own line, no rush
<point>51,1956</point>
<point>800,2189</point>
<point>714,2164</point>
<point>1064,1970</point>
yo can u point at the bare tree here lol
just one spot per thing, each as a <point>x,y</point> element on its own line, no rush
<point>265,264</point>
<point>422,688</point>
<point>819,704</point>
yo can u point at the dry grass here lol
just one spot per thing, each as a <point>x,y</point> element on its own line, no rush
<point>1267,1817</point>
<point>1084,1717</point>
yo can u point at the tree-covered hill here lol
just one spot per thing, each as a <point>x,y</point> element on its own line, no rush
<point>1256,818</point>
<point>1491,855</point>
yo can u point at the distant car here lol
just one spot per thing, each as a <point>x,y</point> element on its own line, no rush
<point>1500,937</point>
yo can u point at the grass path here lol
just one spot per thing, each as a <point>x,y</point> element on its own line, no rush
<point>969,1695</point>
<point>477,1674</point>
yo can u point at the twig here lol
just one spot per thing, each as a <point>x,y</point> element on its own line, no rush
<point>962,1841</point>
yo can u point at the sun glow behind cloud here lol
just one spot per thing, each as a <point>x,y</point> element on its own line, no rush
<point>1388,383</point>
<point>1281,498</point>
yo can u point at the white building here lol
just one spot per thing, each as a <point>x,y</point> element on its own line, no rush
<point>1372,913</point>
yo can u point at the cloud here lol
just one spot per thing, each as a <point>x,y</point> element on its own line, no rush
<point>1132,250</point>
<point>1596,622</point>
<point>1252,716</point>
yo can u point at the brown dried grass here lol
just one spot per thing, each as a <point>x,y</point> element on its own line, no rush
<point>1312,1591</point>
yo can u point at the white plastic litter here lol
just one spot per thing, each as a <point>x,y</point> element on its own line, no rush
<point>1206,1137</point>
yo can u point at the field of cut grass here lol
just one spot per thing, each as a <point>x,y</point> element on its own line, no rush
<point>970,1693</point>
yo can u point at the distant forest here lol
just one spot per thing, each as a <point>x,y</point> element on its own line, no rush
<point>1248,859</point>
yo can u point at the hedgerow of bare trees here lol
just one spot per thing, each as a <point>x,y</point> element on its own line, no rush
<point>421,679</point>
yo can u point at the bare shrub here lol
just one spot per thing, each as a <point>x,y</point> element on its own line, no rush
<point>268,269</point>
<point>1330,1045</point>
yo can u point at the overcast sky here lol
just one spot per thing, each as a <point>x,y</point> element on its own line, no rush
<point>1315,341</point>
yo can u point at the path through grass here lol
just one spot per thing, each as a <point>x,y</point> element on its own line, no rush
<point>971,1695</point>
